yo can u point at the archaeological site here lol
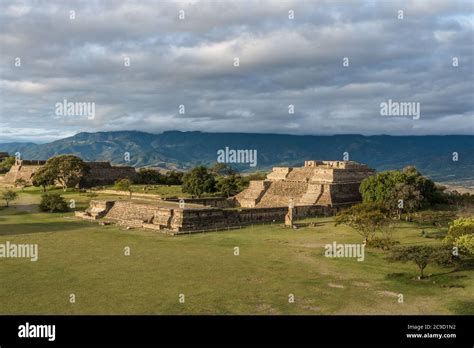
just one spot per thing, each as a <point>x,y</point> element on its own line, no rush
<point>100,173</point>
<point>320,188</point>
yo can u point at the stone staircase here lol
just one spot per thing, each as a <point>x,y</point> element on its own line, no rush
<point>250,197</point>
<point>312,195</point>
<point>280,192</point>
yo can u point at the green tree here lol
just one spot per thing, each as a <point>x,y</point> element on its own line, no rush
<point>174,178</point>
<point>21,183</point>
<point>67,170</point>
<point>198,181</point>
<point>229,185</point>
<point>421,255</point>
<point>366,219</point>
<point>387,188</point>
<point>8,196</point>
<point>124,185</point>
<point>6,164</point>
<point>53,202</point>
<point>430,193</point>
<point>150,176</point>
<point>43,177</point>
<point>405,198</point>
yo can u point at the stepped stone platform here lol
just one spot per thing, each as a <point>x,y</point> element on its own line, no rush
<point>329,183</point>
<point>169,217</point>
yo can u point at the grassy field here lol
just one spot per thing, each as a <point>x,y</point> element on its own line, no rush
<point>88,260</point>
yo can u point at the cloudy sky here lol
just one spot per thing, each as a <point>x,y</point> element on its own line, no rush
<point>51,51</point>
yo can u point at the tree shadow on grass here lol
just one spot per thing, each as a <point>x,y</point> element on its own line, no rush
<point>39,227</point>
<point>20,208</point>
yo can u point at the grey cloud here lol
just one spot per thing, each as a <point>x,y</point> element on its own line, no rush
<point>190,62</point>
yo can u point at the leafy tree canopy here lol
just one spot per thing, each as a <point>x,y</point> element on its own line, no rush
<point>8,196</point>
<point>421,255</point>
<point>198,181</point>
<point>67,170</point>
<point>408,186</point>
<point>365,218</point>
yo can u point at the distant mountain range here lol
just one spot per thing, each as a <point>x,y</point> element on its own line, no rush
<point>432,155</point>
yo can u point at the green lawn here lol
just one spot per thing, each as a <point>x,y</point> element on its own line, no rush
<point>88,260</point>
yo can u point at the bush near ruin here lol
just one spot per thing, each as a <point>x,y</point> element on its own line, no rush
<point>6,164</point>
<point>53,202</point>
<point>465,244</point>
<point>199,181</point>
<point>409,186</point>
<point>229,185</point>
<point>21,183</point>
<point>149,176</point>
<point>124,184</point>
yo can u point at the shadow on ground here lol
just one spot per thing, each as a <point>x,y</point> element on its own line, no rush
<point>25,228</point>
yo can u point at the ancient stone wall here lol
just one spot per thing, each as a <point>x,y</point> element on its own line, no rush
<point>345,193</point>
<point>177,220</point>
<point>216,202</point>
<point>184,221</point>
<point>101,173</point>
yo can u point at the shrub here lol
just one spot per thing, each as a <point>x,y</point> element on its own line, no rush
<point>148,176</point>
<point>53,202</point>
<point>465,244</point>
<point>458,228</point>
<point>382,243</point>
<point>434,218</point>
<point>21,183</point>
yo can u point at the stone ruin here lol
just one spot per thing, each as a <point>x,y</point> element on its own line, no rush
<point>320,188</point>
<point>170,218</point>
<point>330,183</point>
<point>101,173</point>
